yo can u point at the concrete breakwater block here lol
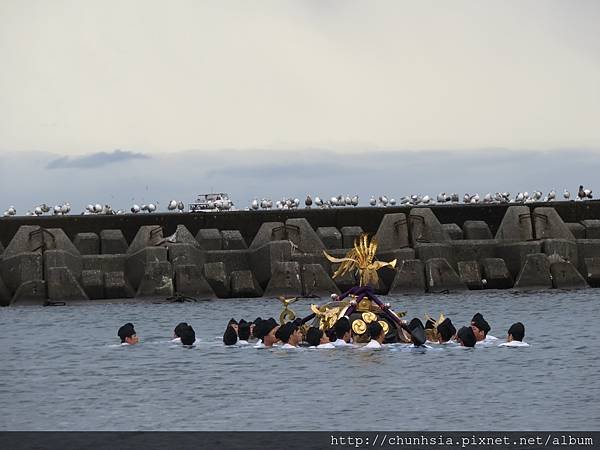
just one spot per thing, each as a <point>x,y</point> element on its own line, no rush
<point>349,235</point>
<point>470,274</point>
<point>185,254</point>
<point>514,254</point>
<point>496,274</point>
<point>315,281</point>
<point>157,280</point>
<point>104,263</point>
<point>424,227</point>
<point>147,236</point>
<point>592,271</point>
<point>268,231</point>
<point>209,239</point>
<point>232,240</point>
<point>476,229</point>
<point>566,276</point>
<point>5,295</point>
<point>516,225</point>
<point>264,259</point>
<point>117,286</point>
<point>181,236</point>
<point>112,242</point>
<point>28,238</point>
<point>410,278</point>
<point>547,224</point>
<point>440,276</point>
<point>562,248</point>
<point>243,284</point>
<point>87,243</point>
<point>31,292</point>
<point>190,281</point>
<point>535,273</point>
<point>393,232</point>
<point>330,237</point>
<point>92,282</point>
<point>453,231</point>
<point>427,251</point>
<point>473,250</point>
<point>301,233</point>
<point>61,258</point>
<point>136,263</point>
<point>232,259</point>
<point>285,280</point>
<point>62,285</point>
<point>388,274</point>
<point>577,229</point>
<point>587,248</point>
<point>21,268</point>
<point>592,228</point>
<point>216,276</point>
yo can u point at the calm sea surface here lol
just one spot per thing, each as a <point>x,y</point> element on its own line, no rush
<point>60,369</point>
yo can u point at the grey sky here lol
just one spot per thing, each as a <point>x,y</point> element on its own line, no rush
<point>279,97</point>
<point>154,76</point>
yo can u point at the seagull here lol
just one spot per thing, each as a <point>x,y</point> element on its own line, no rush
<point>426,199</point>
<point>467,198</point>
<point>45,208</point>
<point>38,211</point>
<point>551,195</point>
<point>254,204</point>
<point>392,201</point>
<point>384,200</point>
<point>180,206</point>
<point>584,193</point>
<point>454,197</point>
<point>11,211</point>
<point>308,202</point>
<point>318,201</point>
<point>536,195</point>
<point>520,197</point>
<point>172,205</point>
<point>97,207</point>
<point>566,194</point>
<point>151,207</point>
<point>404,200</point>
<point>355,200</point>
<point>487,198</point>
<point>372,201</point>
<point>135,209</point>
<point>441,197</point>
<point>64,209</point>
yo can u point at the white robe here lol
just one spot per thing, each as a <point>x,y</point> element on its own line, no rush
<point>514,344</point>
<point>373,344</point>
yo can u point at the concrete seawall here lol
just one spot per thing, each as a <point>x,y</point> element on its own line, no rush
<point>279,252</point>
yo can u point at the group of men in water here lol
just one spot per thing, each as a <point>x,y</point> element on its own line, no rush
<point>265,333</point>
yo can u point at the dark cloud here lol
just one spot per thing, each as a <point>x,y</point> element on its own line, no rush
<point>94,160</point>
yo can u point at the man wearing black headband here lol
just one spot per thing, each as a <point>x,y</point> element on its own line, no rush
<point>230,336</point>
<point>127,334</point>
<point>446,331</point>
<point>377,335</point>
<point>177,332</point>
<point>290,335</point>
<point>317,339</point>
<point>188,336</point>
<point>342,333</point>
<point>243,332</point>
<point>516,333</point>
<point>481,329</point>
<point>466,337</point>
<point>265,331</point>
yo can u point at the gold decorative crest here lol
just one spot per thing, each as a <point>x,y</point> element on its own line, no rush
<point>362,259</point>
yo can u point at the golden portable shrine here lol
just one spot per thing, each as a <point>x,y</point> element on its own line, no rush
<point>359,304</point>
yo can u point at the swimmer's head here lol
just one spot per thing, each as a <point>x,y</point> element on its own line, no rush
<point>177,331</point>
<point>127,334</point>
<point>243,330</point>
<point>466,337</point>
<point>516,332</point>
<point>187,335</point>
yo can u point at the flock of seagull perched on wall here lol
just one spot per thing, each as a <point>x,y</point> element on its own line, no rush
<point>332,202</point>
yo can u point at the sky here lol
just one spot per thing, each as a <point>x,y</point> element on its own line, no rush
<point>110,101</point>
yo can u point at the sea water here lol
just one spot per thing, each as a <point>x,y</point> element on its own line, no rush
<point>62,368</point>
